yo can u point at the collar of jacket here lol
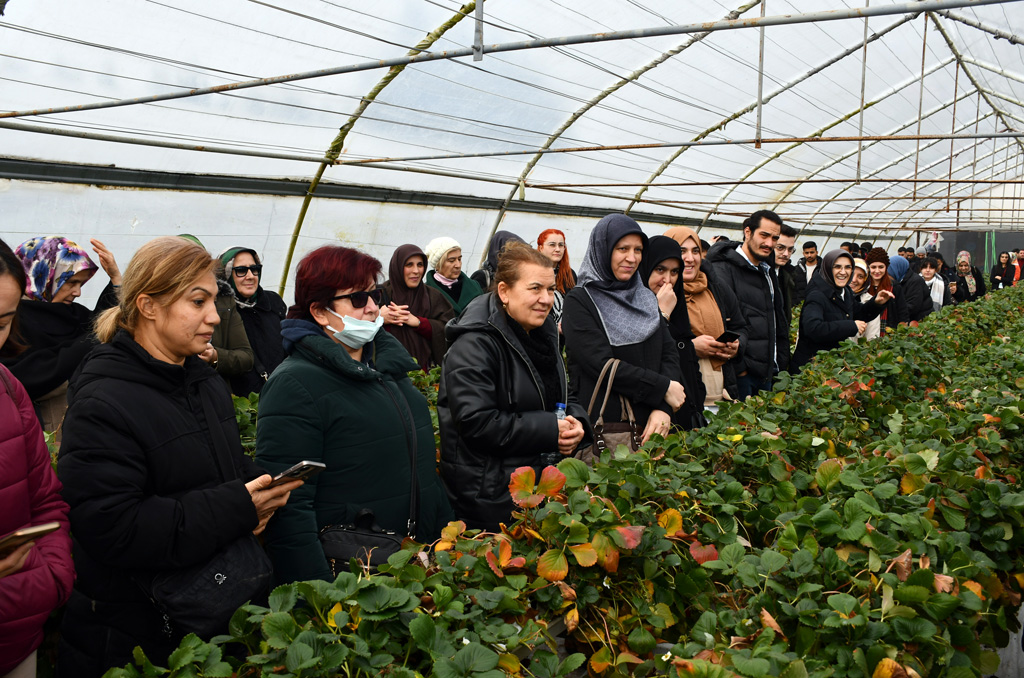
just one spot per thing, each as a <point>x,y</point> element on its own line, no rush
<point>123,358</point>
<point>485,314</point>
<point>389,357</point>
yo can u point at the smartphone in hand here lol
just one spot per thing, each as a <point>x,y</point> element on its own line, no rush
<point>304,470</point>
<point>12,541</point>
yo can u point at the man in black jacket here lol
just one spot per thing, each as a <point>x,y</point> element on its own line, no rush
<point>792,281</point>
<point>747,268</point>
<point>809,262</point>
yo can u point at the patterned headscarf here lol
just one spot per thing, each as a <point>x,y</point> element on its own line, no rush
<point>972,284</point>
<point>628,309</point>
<point>49,262</point>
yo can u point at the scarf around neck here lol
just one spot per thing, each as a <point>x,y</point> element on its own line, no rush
<point>627,309</point>
<point>972,284</point>
<point>705,316</point>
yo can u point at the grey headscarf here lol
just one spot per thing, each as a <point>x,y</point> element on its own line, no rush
<point>628,310</point>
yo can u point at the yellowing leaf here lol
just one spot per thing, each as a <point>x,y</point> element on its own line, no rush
<point>509,663</point>
<point>492,562</point>
<point>585,554</point>
<point>330,615</point>
<point>601,660</point>
<point>887,668</point>
<point>903,564</point>
<point>975,587</point>
<point>552,565</point>
<point>572,619</point>
<point>521,485</point>
<point>671,520</point>
<point>910,483</point>
<point>845,550</point>
<point>551,481</point>
<point>607,553</point>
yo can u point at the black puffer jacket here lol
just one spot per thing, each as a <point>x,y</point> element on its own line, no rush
<point>58,337</point>
<point>263,328</point>
<point>767,330</point>
<point>146,494</point>
<point>491,409</point>
<point>827,319</point>
<point>644,374</point>
<point>916,296</point>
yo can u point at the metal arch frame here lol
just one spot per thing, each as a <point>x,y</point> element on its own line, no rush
<point>974,81</point>
<point>887,165</point>
<point>601,96</point>
<point>956,56</point>
<point>334,150</point>
<point>896,161</point>
<point>838,121</point>
<point>771,95</point>
<point>845,156</point>
<point>935,195</point>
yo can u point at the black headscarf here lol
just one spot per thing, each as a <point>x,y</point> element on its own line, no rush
<point>628,310</point>
<point>659,248</point>
<point>498,241</point>
<point>825,270</point>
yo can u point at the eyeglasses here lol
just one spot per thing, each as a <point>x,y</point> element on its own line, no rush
<point>359,299</point>
<point>240,271</point>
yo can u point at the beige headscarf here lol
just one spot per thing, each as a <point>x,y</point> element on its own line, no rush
<point>705,316</point>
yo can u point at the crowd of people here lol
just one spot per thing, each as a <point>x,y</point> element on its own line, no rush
<point>538,362</point>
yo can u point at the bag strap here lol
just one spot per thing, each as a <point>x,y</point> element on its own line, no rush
<point>597,388</point>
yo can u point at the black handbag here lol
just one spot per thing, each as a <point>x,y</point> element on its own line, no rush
<point>201,599</point>
<point>363,539</point>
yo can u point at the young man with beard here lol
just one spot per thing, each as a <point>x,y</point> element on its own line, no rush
<point>747,269</point>
<point>809,262</point>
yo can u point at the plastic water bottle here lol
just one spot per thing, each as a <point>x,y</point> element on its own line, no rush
<point>552,458</point>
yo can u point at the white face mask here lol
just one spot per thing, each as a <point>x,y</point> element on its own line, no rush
<point>356,333</point>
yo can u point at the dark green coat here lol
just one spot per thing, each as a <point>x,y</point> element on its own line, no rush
<point>470,290</point>
<point>321,405</point>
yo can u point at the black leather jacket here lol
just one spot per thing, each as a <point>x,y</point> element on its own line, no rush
<point>491,411</point>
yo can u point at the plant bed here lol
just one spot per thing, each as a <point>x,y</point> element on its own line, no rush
<point>863,520</point>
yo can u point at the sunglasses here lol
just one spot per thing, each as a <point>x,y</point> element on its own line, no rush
<point>359,299</point>
<point>240,271</point>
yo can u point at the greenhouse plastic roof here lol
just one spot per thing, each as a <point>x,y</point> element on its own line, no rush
<point>497,113</point>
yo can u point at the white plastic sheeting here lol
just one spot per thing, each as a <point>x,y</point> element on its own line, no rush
<point>56,53</point>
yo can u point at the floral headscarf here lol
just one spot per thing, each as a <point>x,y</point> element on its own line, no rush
<point>972,284</point>
<point>50,262</point>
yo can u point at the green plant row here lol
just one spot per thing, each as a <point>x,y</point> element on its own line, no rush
<point>863,520</point>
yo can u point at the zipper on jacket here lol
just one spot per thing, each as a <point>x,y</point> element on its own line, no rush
<point>540,391</point>
<point>412,521</point>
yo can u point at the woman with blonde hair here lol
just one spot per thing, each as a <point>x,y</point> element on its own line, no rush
<point>151,462</point>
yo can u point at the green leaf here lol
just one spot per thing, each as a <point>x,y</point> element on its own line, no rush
<point>941,605</point>
<point>853,532</point>
<point>474,658</point>
<point>180,657</point>
<point>283,598</point>
<point>755,668</point>
<point>785,491</point>
<point>772,561</point>
<point>641,640</point>
<point>915,464</point>
<point>842,602</point>
<point>827,474</point>
<point>421,628</point>
<point>731,554</point>
<point>911,594</point>
<point>916,630</point>
<point>885,491</point>
<point>298,657</point>
<point>1012,501</point>
<point>577,473</point>
<point>954,518</point>
<point>795,669</point>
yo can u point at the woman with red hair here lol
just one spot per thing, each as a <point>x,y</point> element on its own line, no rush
<point>343,397</point>
<point>552,243</point>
